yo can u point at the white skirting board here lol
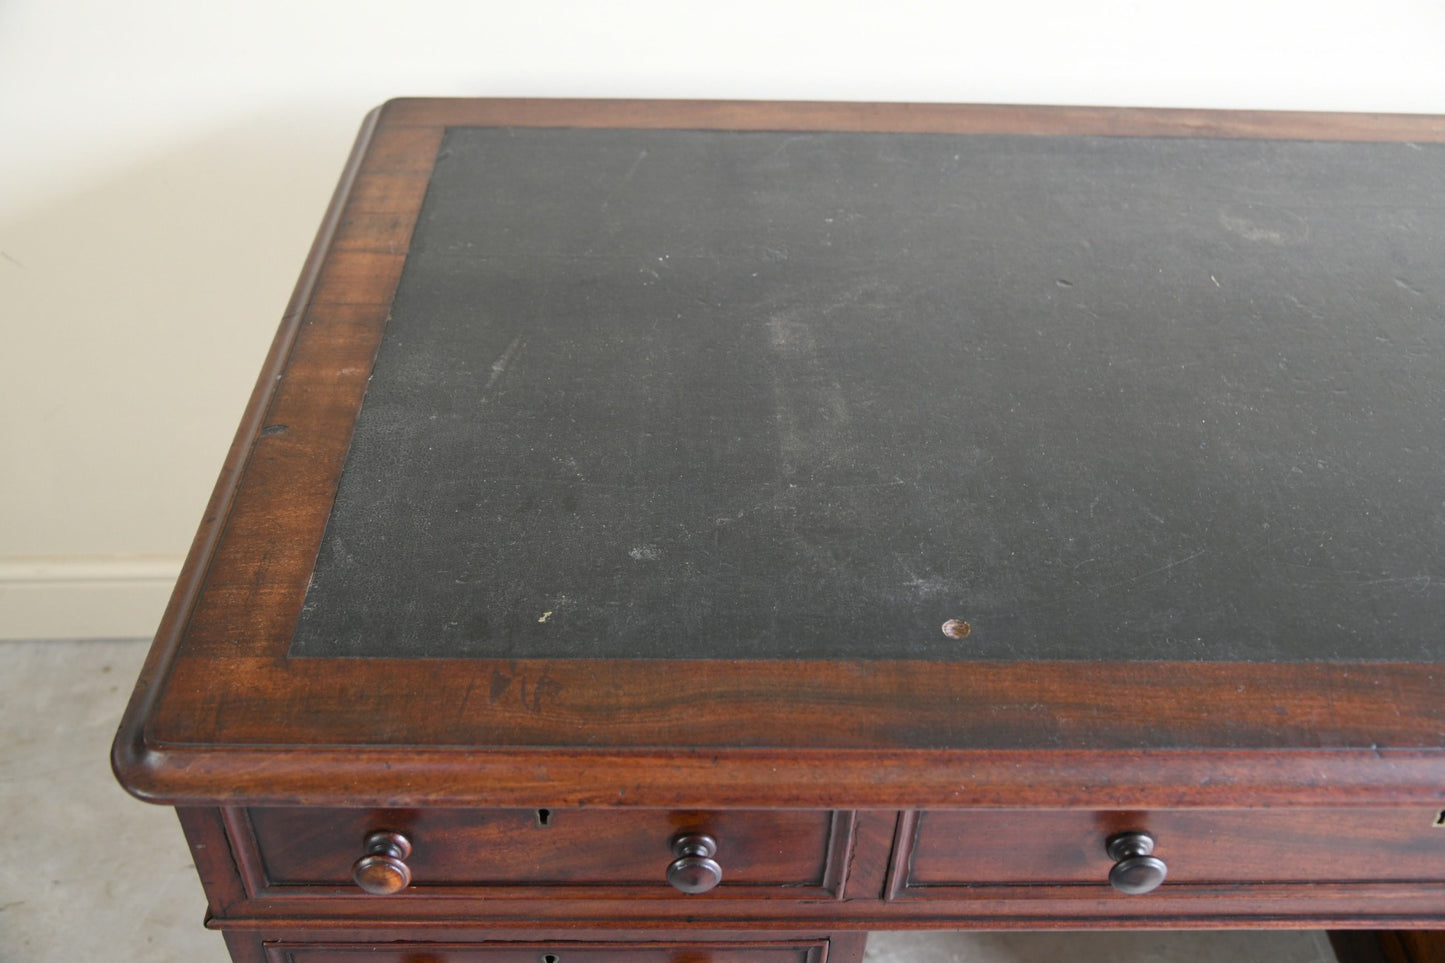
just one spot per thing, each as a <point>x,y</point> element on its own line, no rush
<point>84,598</point>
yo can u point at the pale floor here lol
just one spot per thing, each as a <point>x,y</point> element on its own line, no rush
<point>90,875</point>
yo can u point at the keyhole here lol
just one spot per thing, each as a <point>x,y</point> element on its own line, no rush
<point>544,818</point>
<point>550,957</point>
<point>1440,819</point>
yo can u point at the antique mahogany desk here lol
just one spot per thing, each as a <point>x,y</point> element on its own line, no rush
<point>708,531</point>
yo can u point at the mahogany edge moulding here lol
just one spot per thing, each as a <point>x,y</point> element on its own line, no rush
<point>220,713</point>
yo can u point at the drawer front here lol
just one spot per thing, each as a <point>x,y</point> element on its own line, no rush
<point>546,853</point>
<point>947,854</point>
<point>811,952</point>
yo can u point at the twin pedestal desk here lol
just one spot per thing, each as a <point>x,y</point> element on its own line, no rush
<point>677,531</point>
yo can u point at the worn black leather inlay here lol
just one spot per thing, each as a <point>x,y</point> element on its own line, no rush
<point>689,394</point>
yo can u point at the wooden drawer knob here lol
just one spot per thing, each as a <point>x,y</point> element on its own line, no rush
<point>382,869</point>
<point>1136,871</point>
<point>693,870</point>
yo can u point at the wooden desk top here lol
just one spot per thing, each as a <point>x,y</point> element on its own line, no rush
<point>842,455</point>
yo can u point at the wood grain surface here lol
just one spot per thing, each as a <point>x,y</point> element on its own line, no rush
<point>221,713</point>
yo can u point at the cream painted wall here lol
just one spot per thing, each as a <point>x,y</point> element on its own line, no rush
<point>163,165</point>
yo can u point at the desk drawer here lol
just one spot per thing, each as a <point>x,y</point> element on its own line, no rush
<point>812,952</point>
<point>544,853</point>
<point>981,854</point>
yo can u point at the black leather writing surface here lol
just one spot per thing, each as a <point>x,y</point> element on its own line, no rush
<point>666,394</point>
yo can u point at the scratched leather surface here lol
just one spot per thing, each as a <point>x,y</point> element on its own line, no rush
<point>767,395</point>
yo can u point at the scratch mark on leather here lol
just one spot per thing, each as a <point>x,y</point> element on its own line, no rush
<point>499,367</point>
<point>625,178</point>
<point>1100,590</point>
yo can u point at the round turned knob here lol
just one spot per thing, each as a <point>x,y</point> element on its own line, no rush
<point>382,869</point>
<point>694,870</point>
<point>1135,870</point>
